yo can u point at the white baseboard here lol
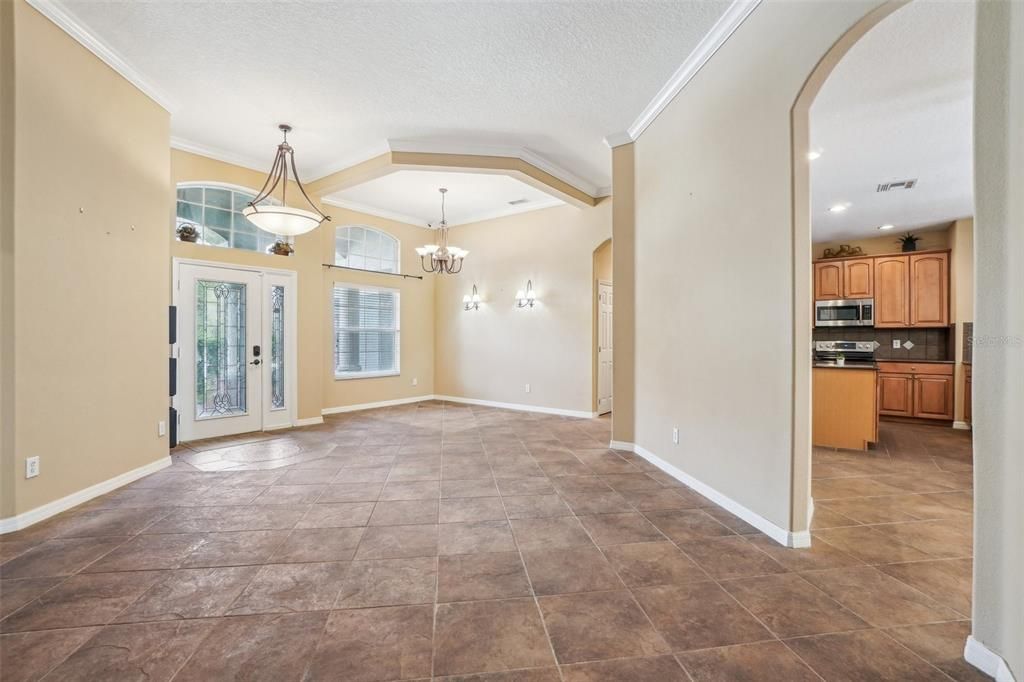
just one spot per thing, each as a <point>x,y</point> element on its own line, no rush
<point>780,535</point>
<point>49,509</point>
<point>963,426</point>
<point>517,406</point>
<point>621,445</point>
<point>373,406</point>
<point>308,421</point>
<point>986,660</point>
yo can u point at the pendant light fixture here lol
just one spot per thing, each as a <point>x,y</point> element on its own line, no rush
<point>444,259</point>
<point>283,220</point>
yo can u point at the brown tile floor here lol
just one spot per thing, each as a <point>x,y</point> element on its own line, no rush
<point>444,541</point>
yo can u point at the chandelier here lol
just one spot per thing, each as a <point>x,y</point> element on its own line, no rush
<point>444,259</point>
<point>283,220</point>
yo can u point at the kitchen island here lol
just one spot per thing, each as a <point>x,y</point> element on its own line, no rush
<point>845,405</point>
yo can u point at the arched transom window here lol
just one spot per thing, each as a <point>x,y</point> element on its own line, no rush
<point>367,248</point>
<point>216,211</point>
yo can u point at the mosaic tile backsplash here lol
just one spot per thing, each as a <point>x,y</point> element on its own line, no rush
<point>928,344</point>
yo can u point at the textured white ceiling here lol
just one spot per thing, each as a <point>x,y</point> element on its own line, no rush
<point>554,77</point>
<point>412,196</point>
<point>898,106</point>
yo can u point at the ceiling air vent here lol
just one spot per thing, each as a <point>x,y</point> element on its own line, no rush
<point>516,202</point>
<point>900,184</point>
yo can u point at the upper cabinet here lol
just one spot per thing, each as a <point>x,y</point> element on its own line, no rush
<point>892,291</point>
<point>929,290</point>
<point>828,281</point>
<point>859,278</point>
<point>910,290</point>
<point>844,279</point>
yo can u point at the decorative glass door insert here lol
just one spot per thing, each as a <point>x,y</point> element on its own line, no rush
<point>221,353</point>
<point>277,333</point>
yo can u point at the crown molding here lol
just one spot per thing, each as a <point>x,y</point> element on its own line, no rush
<point>374,211</point>
<point>181,144</point>
<point>508,151</point>
<point>59,14</point>
<point>726,25</point>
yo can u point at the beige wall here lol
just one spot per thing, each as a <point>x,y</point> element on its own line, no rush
<point>317,388</point>
<point>492,353</point>
<point>937,238</point>
<point>7,457</point>
<point>90,210</point>
<point>998,370</point>
<point>713,233</point>
<point>961,241</point>
<point>624,272</point>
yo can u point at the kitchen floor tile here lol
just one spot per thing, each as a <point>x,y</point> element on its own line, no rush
<point>578,569</point>
<point>862,655</point>
<point>362,645</point>
<point>388,582</point>
<point>37,653</point>
<point>287,588</point>
<point>699,616</point>
<point>486,636</point>
<point>790,606</point>
<point>650,669</point>
<point>746,663</point>
<point>469,577</point>
<point>599,625</point>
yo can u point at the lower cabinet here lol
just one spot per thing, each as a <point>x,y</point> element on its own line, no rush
<point>896,394</point>
<point>917,390</point>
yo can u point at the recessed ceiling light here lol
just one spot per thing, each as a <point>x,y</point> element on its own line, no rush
<point>813,154</point>
<point>838,208</point>
<point>887,226</point>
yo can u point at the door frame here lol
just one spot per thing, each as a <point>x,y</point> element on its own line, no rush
<point>291,332</point>
<point>597,350</point>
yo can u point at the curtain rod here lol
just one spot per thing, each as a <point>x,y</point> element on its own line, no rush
<point>376,272</point>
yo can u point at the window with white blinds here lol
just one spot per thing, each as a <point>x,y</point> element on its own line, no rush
<point>366,332</point>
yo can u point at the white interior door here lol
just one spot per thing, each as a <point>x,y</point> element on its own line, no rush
<point>604,348</point>
<point>220,314</point>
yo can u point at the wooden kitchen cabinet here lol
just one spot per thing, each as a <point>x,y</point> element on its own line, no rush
<point>929,290</point>
<point>892,291</point>
<point>921,390</point>
<point>896,394</point>
<point>859,278</point>
<point>933,397</point>
<point>844,279</point>
<point>828,281</point>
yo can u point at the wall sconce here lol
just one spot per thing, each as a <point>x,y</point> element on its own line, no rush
<point>528,299</point>
<point>471,301</point>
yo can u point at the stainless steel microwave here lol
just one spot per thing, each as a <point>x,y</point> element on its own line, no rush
<point>850,312</point>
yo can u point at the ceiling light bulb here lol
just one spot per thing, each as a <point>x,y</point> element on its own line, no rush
<point>838,208</point>
<point>887,226</point>
<point>813,154</point>
<point>520,296</point>
<point>466,299</point>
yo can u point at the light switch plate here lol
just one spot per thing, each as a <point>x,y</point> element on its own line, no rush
<point>895,343</point>
<point>31,467</point>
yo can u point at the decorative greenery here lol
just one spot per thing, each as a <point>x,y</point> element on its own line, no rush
<point>844,251</point>
<point>280,248</point>
<point>187,233</point>
<point>909,239</point>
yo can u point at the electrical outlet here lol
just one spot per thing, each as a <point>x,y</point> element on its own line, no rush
<point>161,428</point>
<point>31,467</point>
<point>896,343</point>
<point>675,436</point>
<point>527,388</point>
<point>415,381</point>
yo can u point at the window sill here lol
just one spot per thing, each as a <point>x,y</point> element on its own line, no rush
<point>365,375</point>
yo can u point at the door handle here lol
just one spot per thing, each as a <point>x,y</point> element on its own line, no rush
<point>255,362</point>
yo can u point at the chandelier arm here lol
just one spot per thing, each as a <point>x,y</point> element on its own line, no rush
<point>268,187</point>
<point>323,217</point>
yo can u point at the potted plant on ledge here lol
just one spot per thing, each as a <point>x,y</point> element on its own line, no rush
<point>909,242</point>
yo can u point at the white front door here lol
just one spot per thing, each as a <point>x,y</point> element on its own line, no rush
<point>604,348</point>
<point>233,351</point>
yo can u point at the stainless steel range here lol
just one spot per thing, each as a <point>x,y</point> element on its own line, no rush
<point>854,353</point>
